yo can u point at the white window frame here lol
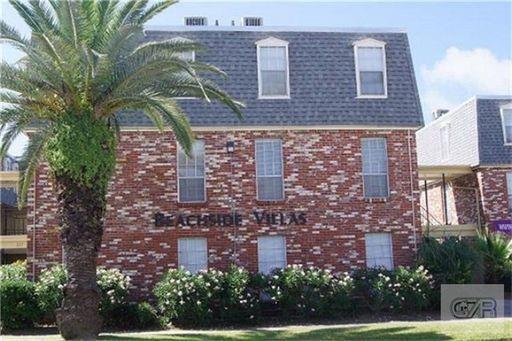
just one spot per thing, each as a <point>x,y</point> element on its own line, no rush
<point>273,42</point>
<point>256,166</point>
<point>445,148</point>
<point>369,42</point>
<point>180,252</point>
<point>283,238</point>
<point>387,168</point>
<point>390,237</point>
<point>504,108</point>
<point>178,150</point>
<point>508,179</point>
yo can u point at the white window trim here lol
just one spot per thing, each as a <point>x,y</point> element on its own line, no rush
<point>256,166</point>
<point>178,149</point>
<point>273,42</point>
<point>502,114</point>
<point>284,249</point>
<point>387,170</point>
<point>369,42</point>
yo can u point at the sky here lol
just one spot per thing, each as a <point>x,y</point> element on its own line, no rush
<point>459,49</point>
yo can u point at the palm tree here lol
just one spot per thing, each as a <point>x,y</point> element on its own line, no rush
<point>85,63</point>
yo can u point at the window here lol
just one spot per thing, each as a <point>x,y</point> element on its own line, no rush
<point>370,62</point>
<point>509,190</point>
<point>189,56</point>
<point>273,75</point>
<point>379,250</point>
<point>271,253</point>
<point>375,168</point>
<point>191,180</point>
<point>269,170</point>
<point>506,120</point>
<point>192,254</point>
<point>444,135</point>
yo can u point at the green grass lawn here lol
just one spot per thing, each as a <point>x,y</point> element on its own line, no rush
<point>454,330</point>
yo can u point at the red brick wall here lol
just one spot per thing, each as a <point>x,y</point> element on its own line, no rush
<point>322,176</point>
<point>493,190</point>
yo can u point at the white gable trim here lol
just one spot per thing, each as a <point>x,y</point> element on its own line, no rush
<point>271,41</point>
<point>369,42</point>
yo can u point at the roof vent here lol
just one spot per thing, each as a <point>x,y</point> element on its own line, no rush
<point>196,21</point>
<point>438,113</point>
<point>252,21</point>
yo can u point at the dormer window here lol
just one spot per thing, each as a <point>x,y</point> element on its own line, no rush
<point>370,64</point>
<point>273,73</point>
<point>506,121</point>
<point>189,56</point>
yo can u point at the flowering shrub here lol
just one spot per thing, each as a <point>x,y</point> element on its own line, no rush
<point>113,285</point>
<point>49,291</point>
<point>186,298</point>
<point>14,271</point>
<point>403,289</point>
<point>413,289</point>
<point>311,291</point>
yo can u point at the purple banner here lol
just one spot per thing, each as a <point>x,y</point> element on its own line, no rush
<point>503,226</point>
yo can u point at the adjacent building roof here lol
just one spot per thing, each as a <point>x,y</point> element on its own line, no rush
<point>475,135</point>
<point>322,78</point>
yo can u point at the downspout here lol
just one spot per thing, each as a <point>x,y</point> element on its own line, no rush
<point>412,191</point>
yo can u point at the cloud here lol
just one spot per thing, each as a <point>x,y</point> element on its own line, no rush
<point>461,74</point>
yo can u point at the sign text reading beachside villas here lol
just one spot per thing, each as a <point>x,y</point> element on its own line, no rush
<point>229,219</point>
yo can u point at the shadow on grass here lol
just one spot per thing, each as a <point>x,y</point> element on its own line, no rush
<point>348,333</point>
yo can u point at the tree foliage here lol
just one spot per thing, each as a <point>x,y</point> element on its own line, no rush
<point>85,64</point>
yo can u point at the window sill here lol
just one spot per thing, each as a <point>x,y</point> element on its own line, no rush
<point>371,97</point>
<point>274,97</point>
<point>192,204</point>
<point>269,202</point>
<point>377,200</point>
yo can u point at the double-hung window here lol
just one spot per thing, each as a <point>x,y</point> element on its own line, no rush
<point>271,253</point>
<point>370,62</point>
<point>509,190</point>
<point>191,180</point>
<point>193,254</point>
<point>269,170</point>
<point>375,167</point>
<point>190,55</point>
<point>379,250</point>
<point>506,120</point>
<point>273,73</point>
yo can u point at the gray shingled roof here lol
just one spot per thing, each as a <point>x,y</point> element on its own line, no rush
<point>492,149</point>
<point>322,80</point>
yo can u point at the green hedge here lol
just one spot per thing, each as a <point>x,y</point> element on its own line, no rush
<point>19,307</point>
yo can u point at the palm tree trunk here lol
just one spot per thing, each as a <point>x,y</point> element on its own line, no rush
<point>81,212</point>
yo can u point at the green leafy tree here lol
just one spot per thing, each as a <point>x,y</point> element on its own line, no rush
<point>85,63</point>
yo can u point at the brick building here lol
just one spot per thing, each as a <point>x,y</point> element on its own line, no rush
<point>321,170</point>
<point>472,146</point>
